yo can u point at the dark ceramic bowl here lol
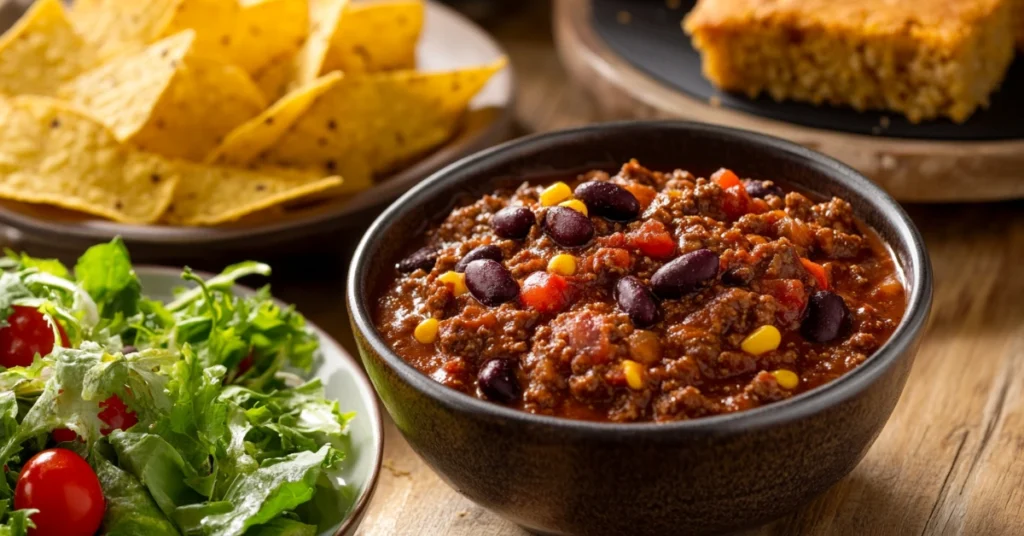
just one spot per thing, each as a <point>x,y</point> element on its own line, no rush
<point>702,476</point>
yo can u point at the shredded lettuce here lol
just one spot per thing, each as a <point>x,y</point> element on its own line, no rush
<point>223,444</point>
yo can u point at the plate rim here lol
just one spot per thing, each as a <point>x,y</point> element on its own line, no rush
<point>92,229</point>
<point>359,507</point>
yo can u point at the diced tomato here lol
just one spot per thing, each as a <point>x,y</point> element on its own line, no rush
<point>817,271</point>
<point>791,296</point>
<point>644,194</point>
<point>726,179</point>
<point>545,292</point>
<point>736,202</point>
<point>653,240</point>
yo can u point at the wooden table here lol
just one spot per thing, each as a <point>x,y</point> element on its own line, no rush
<point>951,459</point>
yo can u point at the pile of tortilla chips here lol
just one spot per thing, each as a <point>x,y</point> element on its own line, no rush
<point>201,112</point>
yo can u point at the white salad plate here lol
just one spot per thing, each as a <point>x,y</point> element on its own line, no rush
<point>344,380</point>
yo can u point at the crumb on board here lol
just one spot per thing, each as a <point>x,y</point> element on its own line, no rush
<point>396,472</point>
<point>463,513</point>
<point>624,17</point>
<point>715,101</point>
<point>883,121</point>
<point>673,4</point>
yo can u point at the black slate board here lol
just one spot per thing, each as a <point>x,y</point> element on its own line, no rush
<point>654,42</point>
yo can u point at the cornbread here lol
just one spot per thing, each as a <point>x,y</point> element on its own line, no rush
<point>922,58</point>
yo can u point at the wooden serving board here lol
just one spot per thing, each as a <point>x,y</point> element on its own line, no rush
<point>986,164</point>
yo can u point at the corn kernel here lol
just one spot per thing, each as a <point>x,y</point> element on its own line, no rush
<point>634,374</point>
<point>576,205</point>
<point>762,340</point>
<point>426,331</point>
<point>455,280</point>
<point>555,194</point>
<point>787,379</point>
<point>563,264</point>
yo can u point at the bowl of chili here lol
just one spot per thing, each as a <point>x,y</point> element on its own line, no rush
<point>641,327</point>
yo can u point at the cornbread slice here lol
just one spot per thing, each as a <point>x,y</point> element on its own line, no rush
<point>923,58</point>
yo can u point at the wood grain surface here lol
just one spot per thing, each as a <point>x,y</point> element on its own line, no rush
<point>951,459</point>
<point>911,170</point>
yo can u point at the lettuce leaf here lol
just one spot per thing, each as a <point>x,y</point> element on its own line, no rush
<point>131,511</point>
<point>105,272</point>
<point>279,485</point>
<point>16,523</point>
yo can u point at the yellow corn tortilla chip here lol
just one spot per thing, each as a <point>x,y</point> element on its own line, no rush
<point>213,22</point>
<point>205,101</point>
<point>123,93</point>
<point>243,144</point>
<point>267,29</point>
<point>377,36</point>
<point>275,78</point>
<point>382,119</point>
<point>42,51</point>
<point>119,27</point>
<point>213,195</point>
<point>324,20</point>
<point>52,153</point>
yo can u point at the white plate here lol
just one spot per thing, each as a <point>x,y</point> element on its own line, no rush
<point>344,381</point>
<point>449,41</point>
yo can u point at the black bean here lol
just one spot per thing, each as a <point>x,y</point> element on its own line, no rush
<point>489,251</point>
<point>762,189</point>
<point>490,282</point>
<point>685,273</point>
<point>568,227</point>
<point>421,259</point>
<point>608,200</point>
<point>513,223</point>
<point>498,381</point>
<point>827,316</point>
<point>635,300</point>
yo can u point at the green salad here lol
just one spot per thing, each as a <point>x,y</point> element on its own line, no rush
<point>123,415</point>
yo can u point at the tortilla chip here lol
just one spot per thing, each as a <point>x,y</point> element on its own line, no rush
<point>123,92</point>
<point>212,20</point>
<point>275,78</point>
<point>42,51</point>
<point>374,37</point>
<point>248,140</point>
<point>268,29</point>
<point>324,20</point>
<point>213,195</point>
<point>382,119</point>
<point>51,153</point>
<point>119,27</point>
<point>205,101</point>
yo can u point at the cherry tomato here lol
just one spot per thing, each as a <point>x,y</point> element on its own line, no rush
<point>28,333</point>
<point>113,412</point>
<point>545,292</point>
<point>62,435</point>
<point>116,415</point>
<point>64,489</point>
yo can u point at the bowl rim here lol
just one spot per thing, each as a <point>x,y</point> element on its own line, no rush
<point>792,409</point>
<point>355,515</point>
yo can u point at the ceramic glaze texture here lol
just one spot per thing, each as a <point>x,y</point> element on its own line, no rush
<point>696,477</point>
